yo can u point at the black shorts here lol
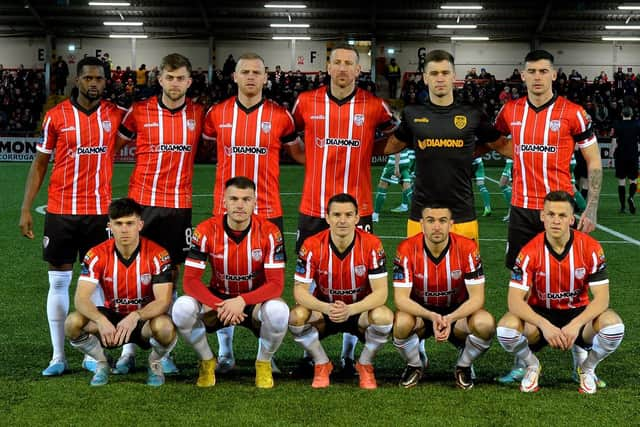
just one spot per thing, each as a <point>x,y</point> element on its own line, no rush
<point>69,237</point>
<point>170,228</point>
<point>524,225</point>
<point>350,326</point>
<point>560,318</point>
<point>136,335</point>
<point>310,225</point>
<point>428,324</point>
<point>626,167</point>
<point>580,170</point>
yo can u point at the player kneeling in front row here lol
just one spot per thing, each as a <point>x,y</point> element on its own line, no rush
<point>438,286</point>
<point>246,254</point>
<point>135,276</point>
<point>549,297</point>
<point>350,275</point>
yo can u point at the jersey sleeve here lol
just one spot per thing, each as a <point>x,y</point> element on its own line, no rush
<point>274,248</point>
<point>194,268</point>
<point>297,113</point>
<point>288,128</point>
<point>305,265</point>
<point>385,122</point>
<point>522,272</point>
<point>502,123</point>
<point>377,260</point>
<point>92,267</point>
<point>486,132</point>
<point>402,268</point>
<point>163,272</point>
<point>209,130</point>
<point>127,128</point>
<point>582,129</point>
<point>197,256</point>
<point>598,273</point>
<point>49,135</point>
<point>473,272</point>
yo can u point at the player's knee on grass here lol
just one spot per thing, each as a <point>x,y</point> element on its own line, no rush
<point>482,324</point>
<point>403,325</point>
<point>74,324</point>
<point>299,316</point>
<point>162,329</point>
<point>185,312</point>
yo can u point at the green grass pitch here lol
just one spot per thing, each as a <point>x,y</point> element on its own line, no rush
<point>30,399</point>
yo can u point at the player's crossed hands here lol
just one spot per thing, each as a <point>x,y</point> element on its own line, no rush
<point>441,328</point>
<point>559,338</point>
<point>231,311</point>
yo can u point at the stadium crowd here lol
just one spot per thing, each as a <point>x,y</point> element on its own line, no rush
<point>21,98</point>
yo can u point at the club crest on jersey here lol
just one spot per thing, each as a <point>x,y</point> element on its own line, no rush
<point>580,273</point>
<point>554,125</point>
<point>191,124</point>
<point>460,121</point>
<point>358,119</point>
<point>145,279</point>
<point>256,254</point>
<point>360,270</point>
<point>106,125</point>
<point>265,126</point>
<point>456,274</point>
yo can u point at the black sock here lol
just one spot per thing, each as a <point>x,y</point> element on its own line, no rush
<point>633,187</point>
<point>621,196</point>
<point>584,193</point>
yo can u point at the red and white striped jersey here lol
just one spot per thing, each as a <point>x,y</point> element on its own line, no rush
<point>560,281</point>
<point>442,281</point>
<point>238,259</point>
<point>166,143</point>
<point>248,144</point>
<point>84,144</point>
<point>544,139</point>
<point>338,139</point>
<point>127,283</point>
<point>341,276</point>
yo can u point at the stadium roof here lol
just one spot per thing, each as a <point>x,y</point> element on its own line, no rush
<point>329,20</point>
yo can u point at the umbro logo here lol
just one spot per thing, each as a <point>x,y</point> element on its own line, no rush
<point>151,125</point>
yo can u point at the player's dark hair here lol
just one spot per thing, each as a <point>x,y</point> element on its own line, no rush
<point>537,55</point>
<point>346,47</point>
<point>174,61</point>
<point>89,61</point>
<point>342,198</point>
<point>249,56</point>
<point>124,207</point>
<point>241,182</point>
<point>560,196</point>
<point>435,205</point>
<point>439,55</point>
<point>627,112</point>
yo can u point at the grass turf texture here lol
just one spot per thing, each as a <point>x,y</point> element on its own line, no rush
<point>30,399</point>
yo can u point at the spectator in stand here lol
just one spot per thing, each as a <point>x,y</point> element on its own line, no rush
<point>515,77</point>
<point>229,67</point>
<point>61,72</point>
<point>472,74</point>
<point>141,77</point>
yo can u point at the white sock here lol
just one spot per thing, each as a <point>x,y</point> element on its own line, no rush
<point>158,351</point>
<point>514,342</point>
<point>474,347</point>
<point>274,318</point>
<point>349,346</point>
<point>605,342</point>
<point>307,336</point>
<point>225,341</point>
<point>128,349</point>
<point>91,346</point>
<point>579,355</point>
<point>186,317</point>
<point>58,309</point>
<point>375,337</point>
<point>409,349</point>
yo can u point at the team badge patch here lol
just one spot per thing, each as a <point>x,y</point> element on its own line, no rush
<point>460,121</point>
<point>360,270</point>
<point>256,254</point>
<point>554,125</point>
<point>266,127</point>
<point>145,279</point>
<point>191,124</point>
<point>456,274</point>
<point>358,119</point>
<point>106,125</point>
<point>580,273</point>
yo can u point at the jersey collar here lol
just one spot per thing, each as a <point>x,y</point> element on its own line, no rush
<point>74,102</point>
<point>174,110</point>
<point>335,250</point>
<point>250,109</point>
<point>430,255</point>
<point>232,233</point>
<point>567,247</point>
<point>344,100</point>
<point>129,261</point>
<point>543,106</point>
